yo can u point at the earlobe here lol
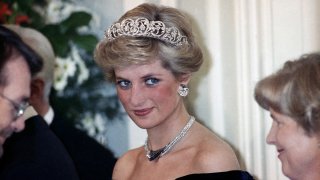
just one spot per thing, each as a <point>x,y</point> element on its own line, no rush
<point>183,90</point>
<point>184,79</point>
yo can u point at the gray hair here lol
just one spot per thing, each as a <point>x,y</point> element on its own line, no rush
<point>294,91</point>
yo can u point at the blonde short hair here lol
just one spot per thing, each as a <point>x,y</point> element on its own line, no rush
<point>128,50</point>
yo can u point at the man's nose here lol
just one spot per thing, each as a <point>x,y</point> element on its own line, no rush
<point>19,124</point>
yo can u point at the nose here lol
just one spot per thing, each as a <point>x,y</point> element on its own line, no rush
<point>19,124</point>
<point>137,96</point>
<point>271,137</point>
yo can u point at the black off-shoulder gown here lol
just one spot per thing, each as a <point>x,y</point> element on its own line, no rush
<point>228,175</point>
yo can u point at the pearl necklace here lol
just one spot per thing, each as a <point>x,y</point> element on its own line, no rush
<point>152,155</point>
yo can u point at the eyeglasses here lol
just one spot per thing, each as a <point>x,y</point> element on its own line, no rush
<point>19,108</point>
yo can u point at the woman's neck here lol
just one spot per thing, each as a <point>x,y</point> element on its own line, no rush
<point>155,154</point>
<point>165,132</point>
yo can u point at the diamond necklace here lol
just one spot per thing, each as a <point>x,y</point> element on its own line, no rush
<point>152,155</point>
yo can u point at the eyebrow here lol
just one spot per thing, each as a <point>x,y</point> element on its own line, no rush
<point>148,76</point>
<point>143,77</point>
<point>22,99</point>
<point>272,116</point>
<point>25,98</point>
<point>118,77</point>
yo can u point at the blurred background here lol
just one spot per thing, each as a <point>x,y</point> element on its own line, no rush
<point>242,40</point>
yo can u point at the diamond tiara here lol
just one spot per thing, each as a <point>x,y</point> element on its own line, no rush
<point>142,27</point>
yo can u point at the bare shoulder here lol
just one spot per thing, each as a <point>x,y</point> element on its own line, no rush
<point>213,154</point>
<point>125,164</point>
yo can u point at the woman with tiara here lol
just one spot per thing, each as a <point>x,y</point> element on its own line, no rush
<point>150,54</point>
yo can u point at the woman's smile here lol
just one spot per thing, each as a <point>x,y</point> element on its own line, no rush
<point>142,112</point>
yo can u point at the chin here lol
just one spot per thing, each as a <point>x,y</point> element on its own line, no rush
<point>143,126</point>
<point>287,173</point>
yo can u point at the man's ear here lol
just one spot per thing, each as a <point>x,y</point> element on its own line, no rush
<point>37,89</point>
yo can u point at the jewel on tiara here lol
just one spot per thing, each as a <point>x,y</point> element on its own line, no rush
<point>142,27</point>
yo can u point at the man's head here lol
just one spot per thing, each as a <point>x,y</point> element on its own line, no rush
<point>42,82</point>
<point>18,63</point>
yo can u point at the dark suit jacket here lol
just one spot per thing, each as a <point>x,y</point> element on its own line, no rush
<point>92,160</point>
<point>36,154</point>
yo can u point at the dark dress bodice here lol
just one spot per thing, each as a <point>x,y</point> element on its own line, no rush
<point>228,175</point>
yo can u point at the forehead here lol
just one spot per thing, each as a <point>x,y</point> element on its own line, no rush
<point>18,78</point>
<point>155,67</point>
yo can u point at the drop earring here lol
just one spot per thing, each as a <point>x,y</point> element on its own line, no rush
<point>183,90</point>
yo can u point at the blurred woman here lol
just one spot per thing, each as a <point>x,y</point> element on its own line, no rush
<point>150,53</point>
<point>292,96</point>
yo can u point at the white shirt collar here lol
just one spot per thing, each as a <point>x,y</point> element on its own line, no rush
<point>48,117</point>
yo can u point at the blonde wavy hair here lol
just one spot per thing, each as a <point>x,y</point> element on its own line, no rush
<point>125,51</point>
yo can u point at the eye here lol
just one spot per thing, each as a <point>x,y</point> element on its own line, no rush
<point>278,122</point>
<point>124,84</point>
<point>275,119</point>
<point>152,81</point>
